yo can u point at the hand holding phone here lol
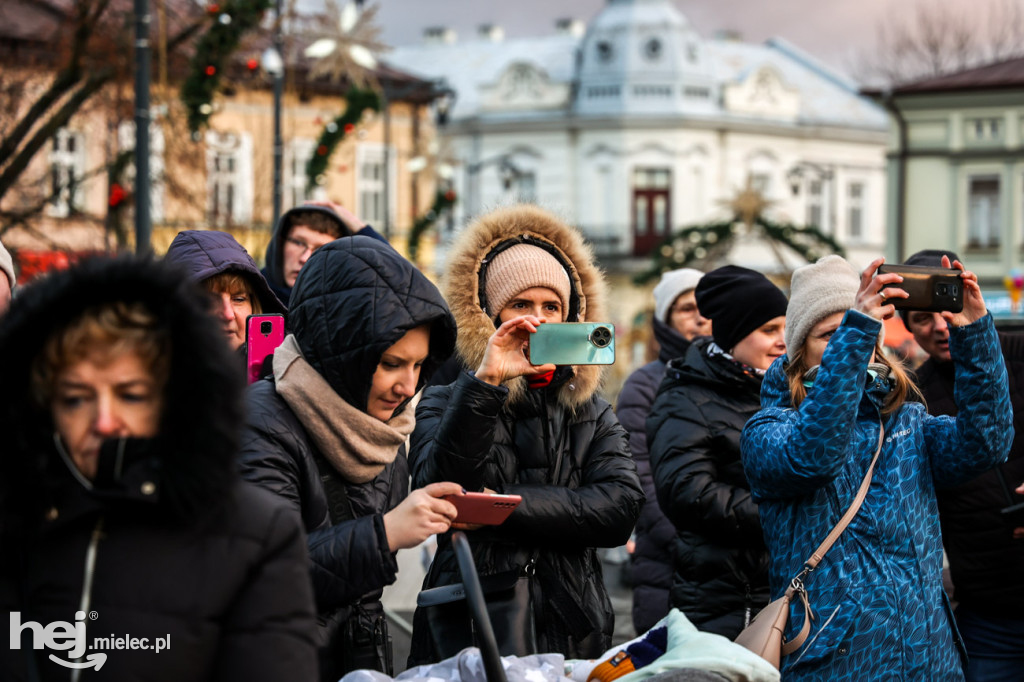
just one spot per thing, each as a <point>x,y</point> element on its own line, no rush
<point>263,334</point>
<point>487,509</point>
<point>929,289</point>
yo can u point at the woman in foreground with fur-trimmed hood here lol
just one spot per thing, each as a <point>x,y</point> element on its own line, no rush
<point>119,495</point>
<point>540,432</point>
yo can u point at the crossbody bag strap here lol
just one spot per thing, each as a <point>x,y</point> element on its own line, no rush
<point>830,540</point>
<point>339,508</point>
<point>796,587</point>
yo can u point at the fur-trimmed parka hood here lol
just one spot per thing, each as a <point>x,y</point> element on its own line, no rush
<point>464,286</point>
<point>188,467</point>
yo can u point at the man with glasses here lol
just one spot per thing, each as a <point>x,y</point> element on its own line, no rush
<point>301,231</point>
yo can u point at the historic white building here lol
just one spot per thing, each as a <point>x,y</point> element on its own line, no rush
<point>636,125</point>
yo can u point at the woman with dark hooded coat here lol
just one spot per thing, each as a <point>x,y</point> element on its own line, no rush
<point>119,493</point>
<point>720,577</point>
<point>222,266</point>
<point>327,433</point>
<point>537,431</point>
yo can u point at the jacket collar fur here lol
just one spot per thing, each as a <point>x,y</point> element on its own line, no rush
<point>464,285</point>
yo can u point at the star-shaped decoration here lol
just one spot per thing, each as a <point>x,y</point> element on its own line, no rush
<point>344,44</point>
<point>748,204</point>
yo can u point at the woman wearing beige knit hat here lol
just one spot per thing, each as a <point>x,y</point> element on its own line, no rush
<point>834,414</point>
<point>540,432</point>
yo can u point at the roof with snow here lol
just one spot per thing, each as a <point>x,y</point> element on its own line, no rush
<point>680,73</point>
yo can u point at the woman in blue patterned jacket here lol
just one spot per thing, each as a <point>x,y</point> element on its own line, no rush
<point>880,609</point>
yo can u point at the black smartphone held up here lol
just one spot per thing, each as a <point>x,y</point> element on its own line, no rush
<point>263,334</point>
<point>931,289</point>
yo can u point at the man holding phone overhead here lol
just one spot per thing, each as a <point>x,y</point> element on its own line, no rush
<point>985,548</point>
<point>538,431</point>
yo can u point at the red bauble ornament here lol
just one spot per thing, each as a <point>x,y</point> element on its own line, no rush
<point>252,64</point>
<point>321,150</point>
<point>349,128</point>
<point>117,195</point>
<point>210,70</point>
<point>449,195</point>
<point>213,8</point>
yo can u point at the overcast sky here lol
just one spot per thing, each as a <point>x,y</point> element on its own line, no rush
<point>836,31</point>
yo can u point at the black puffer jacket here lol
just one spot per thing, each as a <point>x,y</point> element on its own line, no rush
<point>721,564</point>
<point>353,299</point>
<point>183,549</point>
<point>985,562</point>
<point>652,559</point>
<point>561,448</point>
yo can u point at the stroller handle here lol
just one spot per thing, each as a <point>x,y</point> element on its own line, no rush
<point>475,596</point>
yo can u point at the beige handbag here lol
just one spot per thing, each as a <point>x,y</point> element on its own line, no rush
<point>764,635</point>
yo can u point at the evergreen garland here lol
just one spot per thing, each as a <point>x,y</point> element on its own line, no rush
<point>232,20</point>
<point>357,101</point>
<point>443,201</point>
<point>692,245</point>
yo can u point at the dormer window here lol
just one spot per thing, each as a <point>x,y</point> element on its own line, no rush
<point>652,49</point>
<point>605,51</point>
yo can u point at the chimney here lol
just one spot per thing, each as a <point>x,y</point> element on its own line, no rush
<point>569,26</point>
<point>491,33</point>
<point>439,35</point>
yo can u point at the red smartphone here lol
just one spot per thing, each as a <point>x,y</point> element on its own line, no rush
<point>263,334</point>
<point>489,509</point>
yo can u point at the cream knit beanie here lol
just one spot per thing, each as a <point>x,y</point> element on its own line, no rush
<point>519,268</point>
<point>672,284</point>
<point>818,290</point>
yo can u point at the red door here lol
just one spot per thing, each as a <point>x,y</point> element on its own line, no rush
<point>652,209</point>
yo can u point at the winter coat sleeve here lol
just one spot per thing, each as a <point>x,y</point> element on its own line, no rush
<point>687,480</point>
<point>789,453</point>
<point>601,512</point>
<point>269,633</point>
<point>454,431</point>
<point>348,560</point>
<point>979,437</point>
<point>635,402</point>
<point>454,441</point>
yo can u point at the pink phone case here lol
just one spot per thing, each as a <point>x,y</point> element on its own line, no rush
<point>263,334</point>
<point>484,508</point>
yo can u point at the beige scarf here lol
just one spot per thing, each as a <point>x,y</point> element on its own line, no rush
<point>357,445</point>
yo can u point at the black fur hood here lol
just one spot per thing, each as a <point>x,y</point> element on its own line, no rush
<point>182,472</point>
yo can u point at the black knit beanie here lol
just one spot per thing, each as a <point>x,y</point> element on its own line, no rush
<point>737,301</point>
<point>931,258</point>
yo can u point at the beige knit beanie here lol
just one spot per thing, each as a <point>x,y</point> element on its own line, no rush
<point>519,268</point>
<point>818,290</point>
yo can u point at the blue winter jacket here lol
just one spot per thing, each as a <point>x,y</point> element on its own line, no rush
<point>880,609</point>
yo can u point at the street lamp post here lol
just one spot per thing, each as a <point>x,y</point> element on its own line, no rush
<point>143,224</point>
<point>273,63</point>
<point>827,173</point>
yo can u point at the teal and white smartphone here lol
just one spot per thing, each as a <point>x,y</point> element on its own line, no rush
<point>572,343</point>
